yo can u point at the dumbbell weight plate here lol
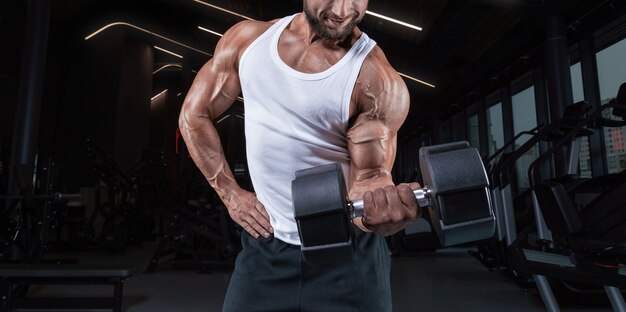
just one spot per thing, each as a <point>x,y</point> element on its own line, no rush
<point>460,203</point>
<point>320,200</point>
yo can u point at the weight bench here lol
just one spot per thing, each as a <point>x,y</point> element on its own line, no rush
<point>56,274</point>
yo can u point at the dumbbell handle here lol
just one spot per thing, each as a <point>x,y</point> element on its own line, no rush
<point>356,209</point>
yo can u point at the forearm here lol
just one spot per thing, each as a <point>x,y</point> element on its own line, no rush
<point>372,150</point>
<point>205,148</point>
<point>368,180</point>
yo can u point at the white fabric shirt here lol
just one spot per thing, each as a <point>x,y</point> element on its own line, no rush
<point>293,120</point>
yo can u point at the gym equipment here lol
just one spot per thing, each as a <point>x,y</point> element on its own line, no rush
<point>14,275</point>
<point>534,253</point>
<point>510,215</point>
<point>555,213</point>
<point>454,176</point>
<point>200,235</point>
<point>198,232</point>
<point>129,214</point>
<point>31,213</point>
<point>570,255</point>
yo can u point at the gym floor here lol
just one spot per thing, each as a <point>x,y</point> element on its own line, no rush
<point>449,280</point>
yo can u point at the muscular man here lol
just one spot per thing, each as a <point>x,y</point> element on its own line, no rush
<point>317,90</point>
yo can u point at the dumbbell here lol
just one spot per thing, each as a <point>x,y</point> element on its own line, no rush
<point>456,192</point>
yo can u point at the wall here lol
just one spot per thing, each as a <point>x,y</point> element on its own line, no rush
<point>99,89</point>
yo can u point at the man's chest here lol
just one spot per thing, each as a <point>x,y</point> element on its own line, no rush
<point>308,58</point>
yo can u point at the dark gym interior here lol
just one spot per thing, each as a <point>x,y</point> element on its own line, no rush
<point>101,206</point>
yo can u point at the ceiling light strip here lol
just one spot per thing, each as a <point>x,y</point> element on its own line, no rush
<point>223,118</point>
<point>210,31</point>
<point>166,66</point>
<point>168,52</point>
<point>222,9</point>
<point>393,20</point>
<point>146,31</point>
<point>156,96</point>
<point>416,80</point>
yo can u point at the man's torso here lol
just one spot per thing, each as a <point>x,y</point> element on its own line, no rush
<point>294,119</point>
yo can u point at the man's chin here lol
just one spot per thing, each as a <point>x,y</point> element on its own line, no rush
<point>335,34</point>
<point>331,31</point>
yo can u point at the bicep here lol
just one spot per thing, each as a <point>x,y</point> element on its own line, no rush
<point>373,134</point>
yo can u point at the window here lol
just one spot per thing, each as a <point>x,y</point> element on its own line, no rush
<point>584,161</point>
<point>524,118</point>
<point>577,83</point>
<point>584,156</point>
<point>472,131</point>
<point>495,128</point>
<point>524,113</point>
<point>611,74</point>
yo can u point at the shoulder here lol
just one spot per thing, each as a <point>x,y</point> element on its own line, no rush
<point>377,71</point>
<point>380,91</point>
<point>236,39</point>
<point>248,29</point>
<point>242,34</point>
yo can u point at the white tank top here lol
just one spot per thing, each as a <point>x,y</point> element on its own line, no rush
<point>293,120</point>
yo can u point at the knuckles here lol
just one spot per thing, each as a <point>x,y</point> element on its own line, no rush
<point>397,217</point>
<point>380,194</point>
<point>404,188</point>
<point>386,219</point>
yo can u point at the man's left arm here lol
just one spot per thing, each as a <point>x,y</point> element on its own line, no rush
<point>380,103</point>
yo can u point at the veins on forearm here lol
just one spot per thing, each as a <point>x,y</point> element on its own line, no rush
<point>368,180</point>
<point>371,175</point>
<point>190,125</point>
<point>204,146</point>
<point>225,186</point>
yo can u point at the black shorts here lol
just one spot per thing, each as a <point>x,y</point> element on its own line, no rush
<point>271,275</point>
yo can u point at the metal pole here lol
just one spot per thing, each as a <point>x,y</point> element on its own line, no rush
<point>616,298</point>
<point>557,71</point>
<point>546,293</point>
<point>27,116</point>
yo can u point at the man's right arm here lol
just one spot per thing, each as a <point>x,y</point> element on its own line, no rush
<point>213,91</point>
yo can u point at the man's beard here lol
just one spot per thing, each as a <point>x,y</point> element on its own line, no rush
<point>326,33</point>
